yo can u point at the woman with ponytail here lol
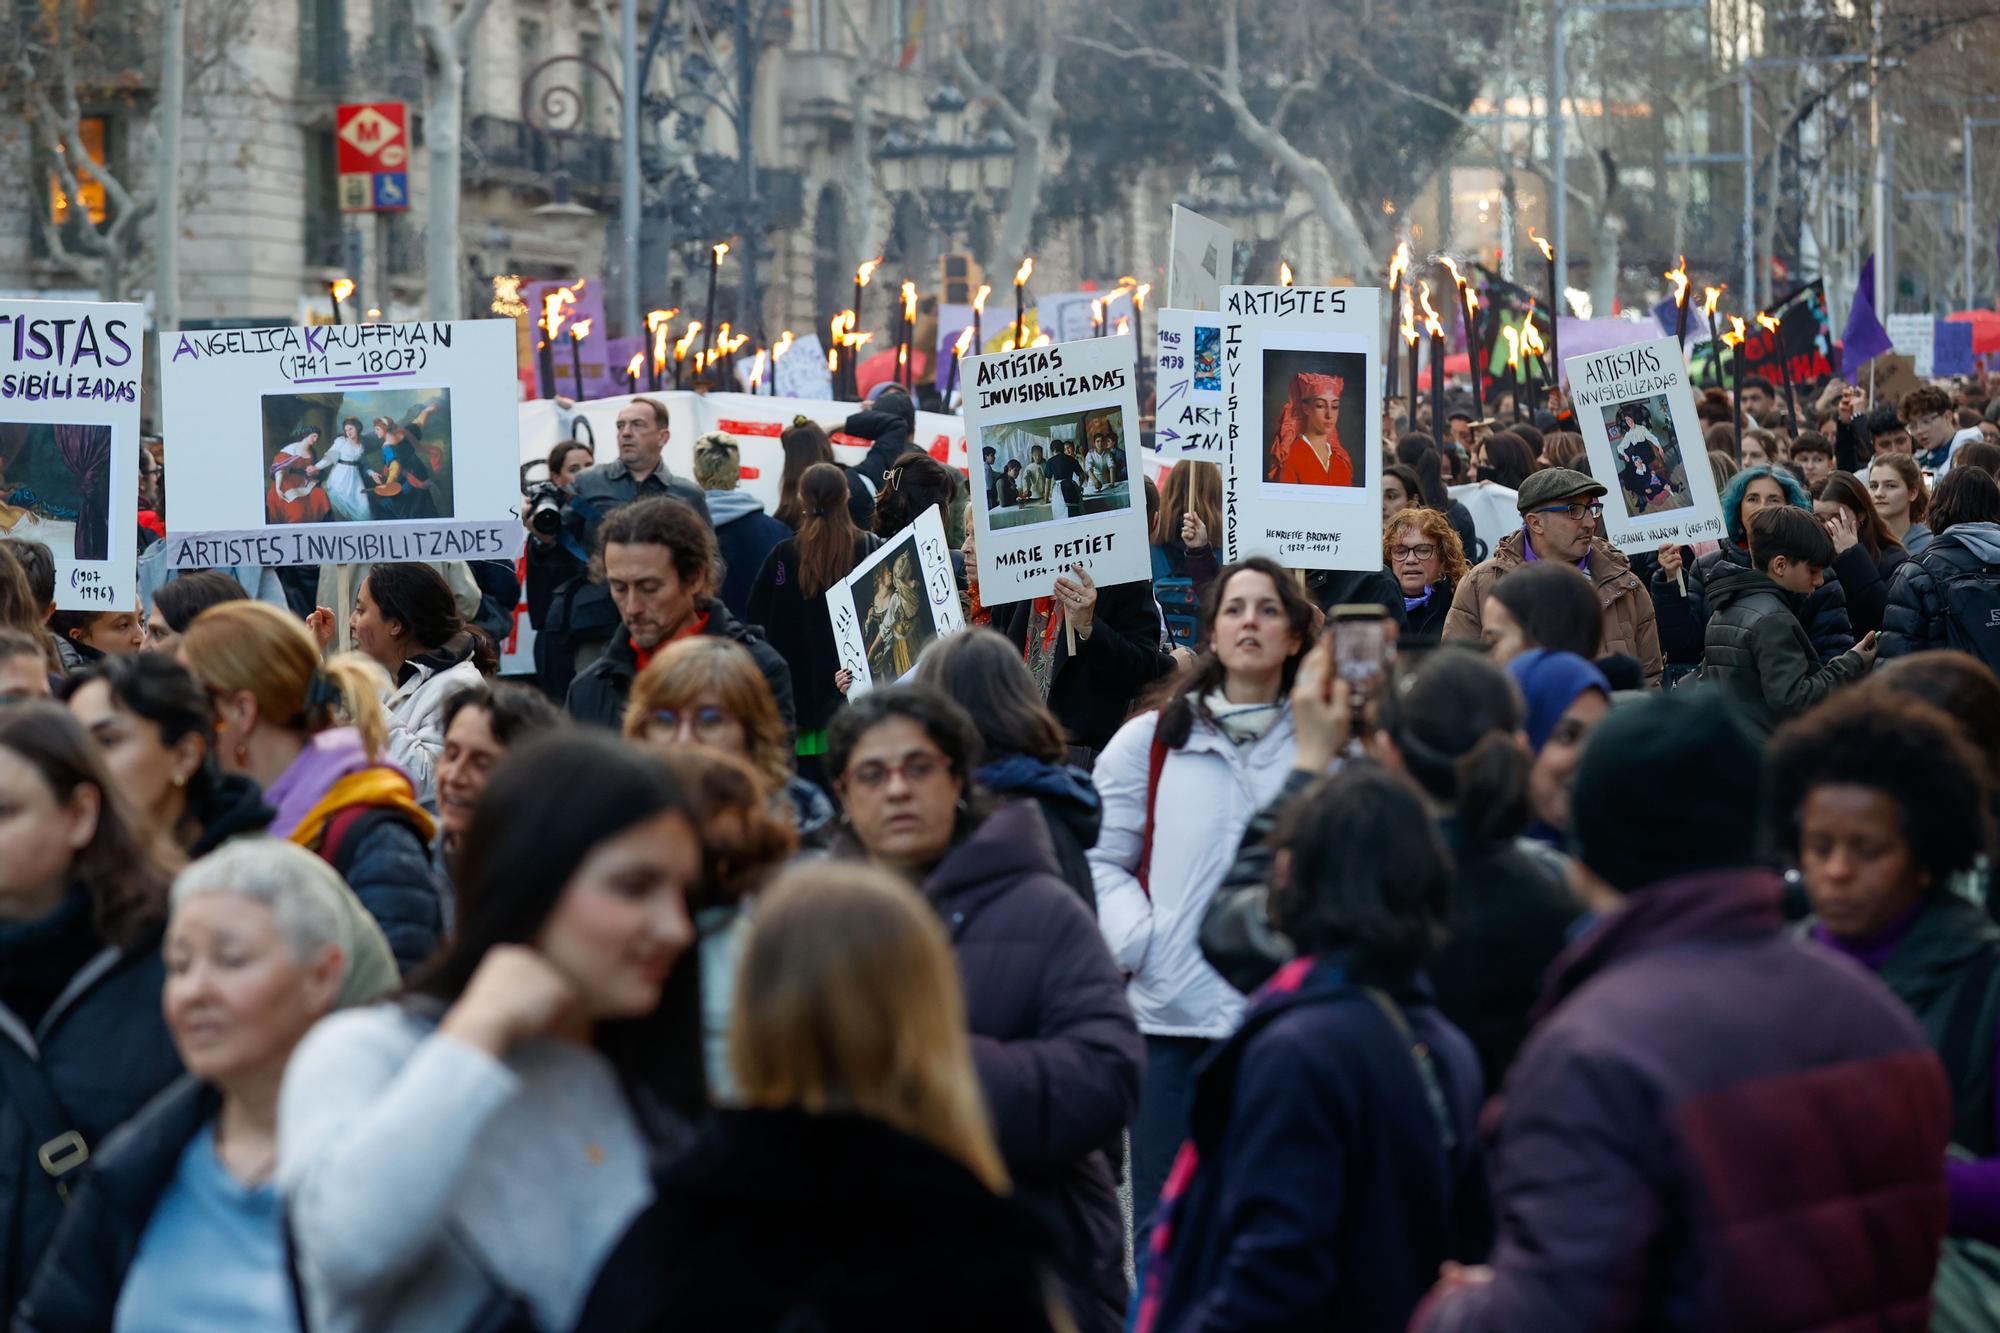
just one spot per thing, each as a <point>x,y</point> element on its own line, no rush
<point>313,734</point>
<point>789,601</point>
<point>1452,721</point>
<point>806,443</point>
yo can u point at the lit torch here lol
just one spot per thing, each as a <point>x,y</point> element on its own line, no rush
<point>978,315</point>
<point>1284,273</point>
<point>340,289</point>
<point>579,329</point>
<point>1732,338</point>
<point>1021,276</point>
<point>1678,276</point>
<point>1468,304</point>
<point>958,350</point>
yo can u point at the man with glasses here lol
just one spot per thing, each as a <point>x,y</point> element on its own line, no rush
<point>1932,422</point>
<point>1559,510</point>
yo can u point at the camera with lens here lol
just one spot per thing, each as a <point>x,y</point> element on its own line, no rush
<point>542,502</point>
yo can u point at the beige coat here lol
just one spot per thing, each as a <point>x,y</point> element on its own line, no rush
<point>1629,624</point>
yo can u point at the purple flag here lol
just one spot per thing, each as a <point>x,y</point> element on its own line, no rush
<point>1864,339</point>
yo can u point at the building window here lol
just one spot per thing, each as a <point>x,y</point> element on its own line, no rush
<point>324,220</point>
<point>322,42</point>
<point>91,133</point>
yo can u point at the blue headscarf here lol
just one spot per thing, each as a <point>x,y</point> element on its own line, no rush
<point>1550,682</point>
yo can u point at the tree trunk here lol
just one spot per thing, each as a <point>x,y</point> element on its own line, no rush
<point>1024,197</point>
<point>167,243</point>
<point>445,42</point>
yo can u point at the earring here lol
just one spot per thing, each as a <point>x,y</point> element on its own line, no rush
<point>242,752</point>
<point>180,780</point>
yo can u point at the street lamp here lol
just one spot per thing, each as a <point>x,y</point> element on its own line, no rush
<point>947,169</point>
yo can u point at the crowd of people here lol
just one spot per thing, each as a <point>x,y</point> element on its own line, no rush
<point>1612,946</point>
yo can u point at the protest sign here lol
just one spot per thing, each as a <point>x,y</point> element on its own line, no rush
<point>802,372</point>
<point>1055,432</point>
<point>69,442</point>
<point>1636,412</point>
<point>342,443</point>
<point>1200,261</point>
<point>1915,336</point>
<point>895,604</point>
<point>1801,345</point>
<point>1951,349</point>
<point>1301,376</point>
<point>1187,413</point>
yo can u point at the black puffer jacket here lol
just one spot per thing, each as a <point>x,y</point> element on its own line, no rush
<point>1068,802</point>
<point>1824,616</point>
<point>234,806</point>
<point>1864,582</point>
<point>1758,653</point>
<point>890,426</point>
<point>76,1288</point>
<point>1054,1041</point>
<point>1915,619</point>
<point>1092,693</point>
<point>599,691</point>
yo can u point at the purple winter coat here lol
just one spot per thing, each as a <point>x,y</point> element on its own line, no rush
<point>1057,1051</point>
<point>1718,1126</point>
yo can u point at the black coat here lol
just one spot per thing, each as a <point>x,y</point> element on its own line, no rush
<point>1824,616</point>
<point>1343,587</point>
<point>1758,653</point>
<point>599,691</point>
<point>1916,616</point>
<point>835,1223</point>
<point>234,807</point>
<point>890,426</point>
<point>799,629</point>
<point>1864,582</point>
<point>1425,624</point>
<point>1068,802</point>
<point>104,1051</point>
<point>745,542</point>
<point>1057,1050</point>
<point>76,1288</point>
<point>1092,693</point>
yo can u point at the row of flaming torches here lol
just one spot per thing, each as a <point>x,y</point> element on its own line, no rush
<point>1733,338</point>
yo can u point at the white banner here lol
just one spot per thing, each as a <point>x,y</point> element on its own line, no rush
<point>1915,336</point>
<point>1301,377</point>
<point>895,604</point>
<point>1058,481</point>
<point>334,444</point>
<point>69,442</point>
<point>1636,411</point>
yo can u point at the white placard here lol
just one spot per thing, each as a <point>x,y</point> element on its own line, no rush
<point>1200,261</point>
<point>802,371</point>
<point>334,444</point>
<point>1914,336</point>
<point>1301,373</point>
<point>69,442</point>
<point>1187,411</point>
<point>895,604</point>
<point>1636,411</point>
<point>1063,422</point>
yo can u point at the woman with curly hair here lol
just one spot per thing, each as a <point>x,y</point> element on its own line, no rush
<point>1424,553</point>
<point>1882,803</point>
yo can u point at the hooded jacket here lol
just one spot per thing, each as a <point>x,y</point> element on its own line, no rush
<point>416,711</point>
<point>1629,625</point>
<point>1715,1125</point>
<point>1825,613</point>
<point>1756,649</point>
<point>599,692</point>
<point>1068,803</point>
<point>890,426</point>
<point>780,1219</point>
<point>1864,582</point>
<point>234,807</point>
<point>746,535</point>
<point>1915,619</point>
<point>1053,1039</point>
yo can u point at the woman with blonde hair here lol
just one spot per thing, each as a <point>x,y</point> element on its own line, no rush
<point>857,1185</point>
<point>1422,550</point>
<point>312,735</point>
<point>708,692</point>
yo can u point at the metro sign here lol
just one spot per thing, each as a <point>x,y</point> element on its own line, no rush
<point>371,144</point>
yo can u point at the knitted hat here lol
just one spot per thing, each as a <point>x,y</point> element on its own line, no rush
<point>1668,787</point>
<point>1550,682</point>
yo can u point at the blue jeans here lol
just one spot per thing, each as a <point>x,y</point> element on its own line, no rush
<point>1166,1104</point>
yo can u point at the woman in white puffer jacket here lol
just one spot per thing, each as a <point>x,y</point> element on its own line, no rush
<point>406,618</point>
<point>1179,785</point>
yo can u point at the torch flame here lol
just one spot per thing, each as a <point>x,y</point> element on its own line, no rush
<point>342,288</point>
<point>1124,325</point>
<point>1041,340</point>
<point>1400,263</point>
<point>1678,276</point>
<point>1457,278</point>
<point>1548,251</point>
<point>661,331</point>
<point>1531,339</point>
<point>964,341</point>
<point>554,305</point>
<point>579,329</point>
<point>903,356</point>
<point>721,248</point>
<point>657,318</point>
<point>1766,322</point>
<point>832,360</point>
<point>757,369</point>
<point>1026,271</point>
<point>909,301</point>
<point>1431,325</point>
<point>1284,273</point>
<point>1709,297</point>
<point>858,339</point>
<point>780,347</point>
<point>632,366</point>
<point>1140,293</point>
<point>866,270</point>
<point>1096,312</point>
<point>1513,337</point>
<point>1409,317</point>
<point>687,340</point>
<point>722,333</point>
<point>1733,337</point>
<point>1472,299</point>
<point>979,299</point>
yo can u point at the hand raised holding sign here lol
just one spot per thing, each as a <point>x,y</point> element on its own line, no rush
<point>1078,598</point>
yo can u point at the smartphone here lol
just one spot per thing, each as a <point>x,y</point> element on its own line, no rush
<point>1362,648</point>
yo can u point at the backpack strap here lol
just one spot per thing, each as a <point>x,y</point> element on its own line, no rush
<point>1426,1068</point>
<point>59,1150</point>
<point>1156,760</point>
<point>346,830</point>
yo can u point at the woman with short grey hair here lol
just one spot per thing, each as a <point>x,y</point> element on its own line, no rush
<point>179,1223</point>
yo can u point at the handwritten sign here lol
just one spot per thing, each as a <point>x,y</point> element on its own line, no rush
<point>342,443</point>
<point>1636,411</point>
<point>69,442</point>
<point>895,604</point>
<point>1188,412</point>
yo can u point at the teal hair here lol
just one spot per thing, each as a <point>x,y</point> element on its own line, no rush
<point>1732,497</point>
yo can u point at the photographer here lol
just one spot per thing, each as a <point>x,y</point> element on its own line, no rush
<point>573,617</point>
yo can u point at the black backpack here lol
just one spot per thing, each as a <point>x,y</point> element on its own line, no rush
<point>1971,595</point>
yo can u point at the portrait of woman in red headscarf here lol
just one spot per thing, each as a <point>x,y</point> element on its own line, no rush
<point>1305,450</point>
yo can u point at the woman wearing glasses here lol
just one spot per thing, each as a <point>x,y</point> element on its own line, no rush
<point>1428,561</point>
<point>1054,1043</point>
